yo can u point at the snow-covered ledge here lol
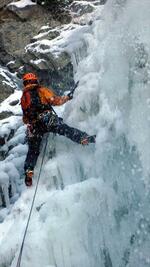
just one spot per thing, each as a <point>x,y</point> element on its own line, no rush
<point>23,8</point>
<point>21,4</point>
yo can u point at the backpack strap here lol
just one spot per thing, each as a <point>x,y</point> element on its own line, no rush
<point>32,106</point>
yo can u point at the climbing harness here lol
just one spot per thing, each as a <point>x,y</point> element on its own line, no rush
<point>48,117</point>
<point>26,229</point>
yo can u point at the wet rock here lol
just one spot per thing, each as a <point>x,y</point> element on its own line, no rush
<point>40,64</point>
<point>49,35</point>
<point>5,114</point>
<point>15,36</point>
<point>63,60</point>
<point>23,13</point>
<point>18,26</point>
<point>14,103</point>
<point>15,64</point>
<point>16,33</point>
<point>11,134</point>
<point>59,69</point>
<point>5,89</point>
<point>4,3</point>
<point>2,141</point>
<point>103,2</point>
<point>81,8</point>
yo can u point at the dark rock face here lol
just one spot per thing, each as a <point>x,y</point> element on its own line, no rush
<point>2,141</point>
<point>52,71</point>
<point>16,31</point>
<point>103,2</point>
<point>8,83</point>
<point>23,13</point>
<point>79,8</point>
<point>4,3</point>
<point>15,64</point>
<point>49,34</point>
<point>5,89</point>
<point>18,26</point>
<point>14,103</point>
<point>16,34</point>
<point>60,81</point>
<point>5,114</point>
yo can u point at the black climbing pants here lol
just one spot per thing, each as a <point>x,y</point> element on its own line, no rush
<point>38,130</point>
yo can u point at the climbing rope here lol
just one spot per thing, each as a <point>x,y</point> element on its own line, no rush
<point>26,229</point>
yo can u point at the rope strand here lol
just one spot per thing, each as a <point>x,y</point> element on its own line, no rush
<point>26,229</point>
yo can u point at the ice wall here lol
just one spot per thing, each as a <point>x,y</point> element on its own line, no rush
<point>112,100</point>
<point>101,217</point>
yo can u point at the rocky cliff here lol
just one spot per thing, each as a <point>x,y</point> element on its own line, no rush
<point>17,28</point>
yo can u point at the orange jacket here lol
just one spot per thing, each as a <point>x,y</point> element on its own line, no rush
<point>47,96</point>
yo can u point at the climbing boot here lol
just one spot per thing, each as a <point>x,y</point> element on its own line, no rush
<point>88,139</point>
<point>28,177</point>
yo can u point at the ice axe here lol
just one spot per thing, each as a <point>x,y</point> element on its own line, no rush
<point>72,91</point>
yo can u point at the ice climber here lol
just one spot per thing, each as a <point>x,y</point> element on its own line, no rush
<point>38,114</point>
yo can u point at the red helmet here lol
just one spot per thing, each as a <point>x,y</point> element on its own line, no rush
<point>29,77</point>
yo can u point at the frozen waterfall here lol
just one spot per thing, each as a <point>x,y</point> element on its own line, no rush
<point>101,218</point>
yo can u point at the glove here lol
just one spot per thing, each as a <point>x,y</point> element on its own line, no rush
<point>70,95</point>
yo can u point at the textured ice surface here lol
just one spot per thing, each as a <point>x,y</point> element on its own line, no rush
<point>102,216</point>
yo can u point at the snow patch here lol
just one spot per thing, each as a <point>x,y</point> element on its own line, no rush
<point>22,3</point>
<point>5,105</point>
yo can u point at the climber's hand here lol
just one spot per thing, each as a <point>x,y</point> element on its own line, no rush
<point>70,95</point>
